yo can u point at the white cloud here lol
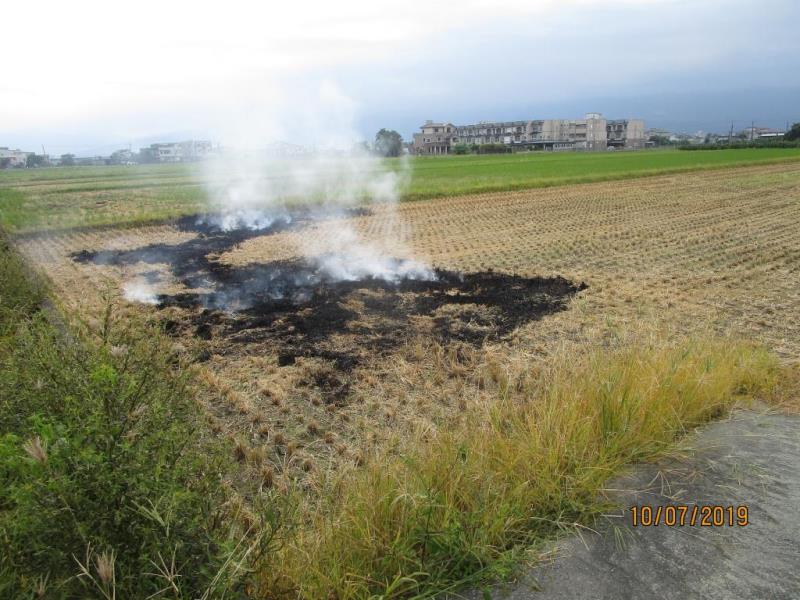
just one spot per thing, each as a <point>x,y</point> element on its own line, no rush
<point>100,72</point>
<point>76,60</point>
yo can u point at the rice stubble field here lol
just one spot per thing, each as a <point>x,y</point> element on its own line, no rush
<point>714,249</point>
<point>610,266</point>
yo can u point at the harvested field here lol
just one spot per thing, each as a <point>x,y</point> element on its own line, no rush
<point>718,248</point>
<point>292,307</point>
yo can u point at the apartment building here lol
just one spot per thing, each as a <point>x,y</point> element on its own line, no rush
<point>626,133</point>
<point>178,151</point>
<point>593,132</point>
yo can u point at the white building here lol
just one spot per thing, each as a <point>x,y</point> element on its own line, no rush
<point>13,158</point>
<point>767,133</point>
<point>434,138</point>
<point>189,150</point>
<point>593,132</point>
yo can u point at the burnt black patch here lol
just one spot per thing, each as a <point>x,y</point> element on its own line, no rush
<point>295,309</point>
<point>190,260</point>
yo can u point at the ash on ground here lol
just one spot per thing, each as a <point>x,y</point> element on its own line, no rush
<point>296,308</point>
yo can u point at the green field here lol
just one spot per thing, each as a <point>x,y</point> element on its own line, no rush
<point>70,196</point>
<point>457,175</point>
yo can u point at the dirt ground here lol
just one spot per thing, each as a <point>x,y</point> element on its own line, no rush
<point>718,249</point>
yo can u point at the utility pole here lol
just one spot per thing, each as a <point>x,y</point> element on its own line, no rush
<point>752,130</point>
<point>730,135</point>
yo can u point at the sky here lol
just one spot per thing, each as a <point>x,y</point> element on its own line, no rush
<point>89,77</point>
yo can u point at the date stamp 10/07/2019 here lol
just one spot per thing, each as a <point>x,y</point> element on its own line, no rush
<point>681,515</point>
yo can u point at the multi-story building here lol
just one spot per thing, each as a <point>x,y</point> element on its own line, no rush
<point>594,132</point>
<point>626,133</point>
<point>179,151</point>
<point>434,138</point>
<point>13,158</point>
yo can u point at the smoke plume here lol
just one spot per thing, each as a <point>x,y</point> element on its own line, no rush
<point>253,186</point>
<point>258,185</point>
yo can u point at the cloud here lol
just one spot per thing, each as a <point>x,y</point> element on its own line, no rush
<point>85,58</point>
<point>97,71</point>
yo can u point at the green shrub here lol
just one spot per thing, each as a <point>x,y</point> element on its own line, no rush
<point>742,145</point>
<point>494,149</point>
<point>20,295</point>
<point>793,135</point>
<point>105,486</point>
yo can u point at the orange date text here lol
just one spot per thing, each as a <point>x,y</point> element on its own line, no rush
<point>680,515</point>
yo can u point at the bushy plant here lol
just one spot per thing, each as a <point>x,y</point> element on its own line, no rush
<point>742,145</point>
<point>793,135</point>
<point>105,486</point>
<point>20,295</point>
<point>493,149</point>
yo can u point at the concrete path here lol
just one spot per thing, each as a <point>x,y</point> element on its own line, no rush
<point>751,459</point>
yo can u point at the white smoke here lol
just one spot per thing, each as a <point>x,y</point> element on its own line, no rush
<point>256,183</point>
<point>265,168</point>
<point>352,259</point>
<point>252,187</point>
<point>136,291</point>
<point>245,218</point>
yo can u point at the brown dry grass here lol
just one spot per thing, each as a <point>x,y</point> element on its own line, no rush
<point>682,253</point>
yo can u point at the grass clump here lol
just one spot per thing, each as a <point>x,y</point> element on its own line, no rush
<point>106,487</point>
<point>20,295</point>
<point>459,506</point>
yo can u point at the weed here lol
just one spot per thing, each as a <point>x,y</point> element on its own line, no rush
<point>102,457</point>
<point>459,507</point>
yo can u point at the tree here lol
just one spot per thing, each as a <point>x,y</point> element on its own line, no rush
<point>460,149</point>
<point>793,134</point>
<point>147,156</point>
<point>34,160</point>
<point>388,142</point>
<point>67,160</point>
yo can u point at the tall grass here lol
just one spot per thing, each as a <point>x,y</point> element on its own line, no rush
<point>457,507</point>
<point>108,487</point>
<point>12,210</point>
